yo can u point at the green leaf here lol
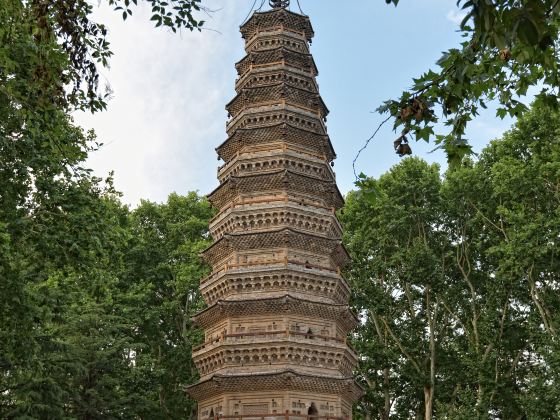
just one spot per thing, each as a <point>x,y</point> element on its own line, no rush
<point>528,32</point>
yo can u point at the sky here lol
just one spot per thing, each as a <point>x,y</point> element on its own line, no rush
<point>166,115</point>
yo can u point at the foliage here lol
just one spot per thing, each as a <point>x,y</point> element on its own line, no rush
<point>457,280</point>
<point>51,219</point>
<point>63,47</point>
<point>399,259</point>
<point>72,280</point>
<point>107,307</point>
<point>510,46</point>
<point>162,275</point>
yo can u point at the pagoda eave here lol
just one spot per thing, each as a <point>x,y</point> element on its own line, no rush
<point>261,95</point>
<point>266,306</point>
<point>276,238</point>
<point>282,54</point>
<point>286,19</point>
<point>280,131</point>
<point>275,279</point>
<point>280,180</point>
<point>287,380</point>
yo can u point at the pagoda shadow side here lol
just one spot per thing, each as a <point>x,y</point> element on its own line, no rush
<point>277,318</point>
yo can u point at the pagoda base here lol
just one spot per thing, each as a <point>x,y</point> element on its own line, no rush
<point>275,396</point>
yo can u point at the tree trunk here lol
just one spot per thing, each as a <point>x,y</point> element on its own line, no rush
<point>429,389</point>
<point>428,402</point>
<point>387,406</point>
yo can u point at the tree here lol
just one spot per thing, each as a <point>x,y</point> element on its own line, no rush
<point>52,217</point>
<point>63,48</point>
<point>66,338</point>
<point>510,46</point>
<point>400,255</point>
<point>488,233</point>
<point>109,303</point>
<point>505,221</point>
<point>163,270</point>
<point>56,268</point>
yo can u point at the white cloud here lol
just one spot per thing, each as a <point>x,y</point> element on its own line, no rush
<point>456,16</point>
<point>168,90</point>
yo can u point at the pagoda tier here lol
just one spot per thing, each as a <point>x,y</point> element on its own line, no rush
<point>275,278</point>
<point>277,56</point>
<point>233,248</point>
<point>275,38</point>
<point>290,135</point>
<point>259,96</point>
<point>276,112</point>
<point>279,181</point>
<point>238,394</point>
<point>264,76</point>
<point>281,20</point>
<point>277,318</point>
<point>341,320</point>
<point>272,156</point>
<point>273,215</point>
<point>240,353</point>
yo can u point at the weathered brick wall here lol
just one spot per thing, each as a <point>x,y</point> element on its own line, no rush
<point>277,317</point>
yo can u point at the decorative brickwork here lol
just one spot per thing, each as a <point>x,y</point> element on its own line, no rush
<point>256,96</point>
<point>277,124</point>
<point>279,181</point>
<point>277,318</point>
<point>273,279</point>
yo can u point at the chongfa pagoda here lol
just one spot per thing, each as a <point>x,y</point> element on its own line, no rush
<point>277,317</point>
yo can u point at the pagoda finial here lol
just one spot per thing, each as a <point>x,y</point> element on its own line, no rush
<point>279,4</point>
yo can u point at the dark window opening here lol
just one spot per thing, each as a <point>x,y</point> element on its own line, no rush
<point>313,410</point>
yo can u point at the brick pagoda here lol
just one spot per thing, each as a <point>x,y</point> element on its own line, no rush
<point>277,317</point>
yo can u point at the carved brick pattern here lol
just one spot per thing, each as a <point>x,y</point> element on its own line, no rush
<point>266,77</point>
<point>235,284</point>
<point>288,380</point>
<point>278,39</point>
<point>243,353</point>
<point>269,306</point>
<point>278,218</point>
<point>316,143</point>
<point>273,119</point>
<point>255,96</point>
<point>277,318</point>
<point>279,181</point>
<point>289,21</point>
<point>248,164</point>
<point>286,238</point>
<point>274,113</point>
<point>284,55</point>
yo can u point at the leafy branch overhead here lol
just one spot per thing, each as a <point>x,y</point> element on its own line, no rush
<point>71,46</point>
<point>509,46</point>
<point>173,14</point>
<point>456,278</point>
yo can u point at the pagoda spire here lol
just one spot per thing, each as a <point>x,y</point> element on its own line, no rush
<point>279,4</point>
<point>277,313</point>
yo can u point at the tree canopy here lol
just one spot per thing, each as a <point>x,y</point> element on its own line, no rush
<point>457,279</point>
<point>71,282</point>
<point>455,276</point>
<point>509,47</point>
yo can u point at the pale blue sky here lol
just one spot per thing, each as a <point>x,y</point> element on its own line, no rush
<point>167,114</point>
